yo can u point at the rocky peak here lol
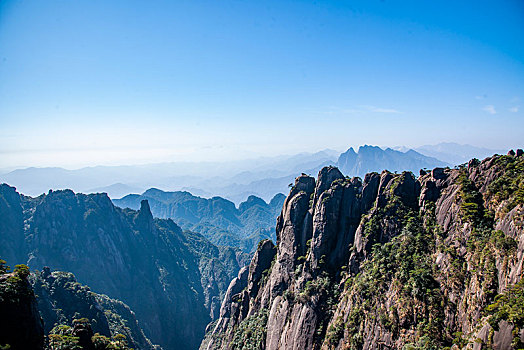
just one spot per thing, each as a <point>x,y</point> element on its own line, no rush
<point>369,149</point>
<point>293,226</point>
<point>277,201</point>
<point>144,217</point>
<point>326,176</point>
<point>260,264</point>
<point>406,188</point>
<point>347,159</point>
<point>9,193</point>
<point>390,260</point>
<point>12,220</point>
<point>385,179</point>
<point>82,329</point>
<point>245,287</point>
<point>303,183</point>
<point>145,210</point>
<point>251,202</point>
<point>373,158</point>
<point>438,173</point>
<point>369,191</point>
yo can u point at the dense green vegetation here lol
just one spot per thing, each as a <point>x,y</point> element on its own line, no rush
<point>80,336</point>
<point>472,203</point>
<point>14,286</point>
<point>64,305</point>
<point>251,333</point>
<point>509,306</point>
<point>62,300</point>
<point>405,265</point>
<point>510,185</point>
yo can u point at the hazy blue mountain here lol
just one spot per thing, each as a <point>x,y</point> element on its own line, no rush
<point>117,190</point>
<point>374,159</point>
<point>237,180</point>
<point>263,188</point>
<point>455,153</point>
<point>126,254</point>
<point>230,180</point>
<point>218,219</point>
<point>262,177</point>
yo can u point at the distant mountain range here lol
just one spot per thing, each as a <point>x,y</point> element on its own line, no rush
<point>453,153</point>
<point>220,221</point>
<point>237,180</point>
<point>117,190</point>
<point>374,159</point>
<point>216,218</point>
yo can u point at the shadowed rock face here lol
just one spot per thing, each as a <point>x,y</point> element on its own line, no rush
<point>62,300</point>
<point>174,281</point>
<point>11,225</point>
<point>20,324</point>
<point>386,262</point>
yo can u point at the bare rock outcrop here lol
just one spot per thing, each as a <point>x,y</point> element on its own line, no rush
<point>388,262</point>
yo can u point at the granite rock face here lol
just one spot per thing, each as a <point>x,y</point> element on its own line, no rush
<point>388,262</point>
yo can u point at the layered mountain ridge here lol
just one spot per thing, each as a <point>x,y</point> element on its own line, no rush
<point>387,262</point>
<point>218,219</point>
<point>237,180</point>
<point>173,280</point>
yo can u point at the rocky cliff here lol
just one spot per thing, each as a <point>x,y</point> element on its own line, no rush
<point>61,300</point>
<point>172,280</point>
<point>20,324</point>
<point>388,262</point>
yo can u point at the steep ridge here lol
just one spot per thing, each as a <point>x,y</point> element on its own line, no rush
<point>216,218</point>
<point>173,280</point>
<point>387,262</point>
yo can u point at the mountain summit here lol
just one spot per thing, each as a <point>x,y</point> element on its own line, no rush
<point>374,158</point>
<point>387,262</point>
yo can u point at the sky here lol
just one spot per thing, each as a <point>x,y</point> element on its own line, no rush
<point>127,82</point>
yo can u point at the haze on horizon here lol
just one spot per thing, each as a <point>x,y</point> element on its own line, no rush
<point>126,82</point>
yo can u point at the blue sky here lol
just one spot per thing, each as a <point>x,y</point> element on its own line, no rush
<point>123,82</point>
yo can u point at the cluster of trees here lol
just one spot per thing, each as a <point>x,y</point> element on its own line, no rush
<point>80,336</point>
